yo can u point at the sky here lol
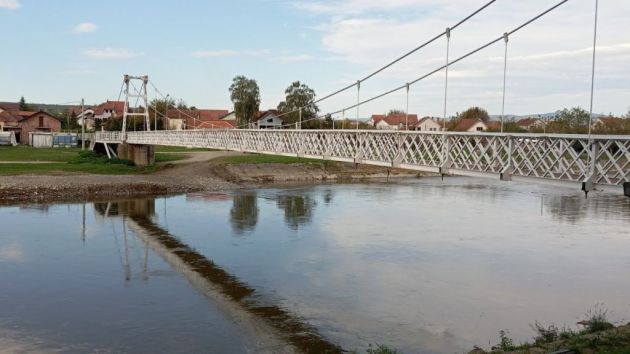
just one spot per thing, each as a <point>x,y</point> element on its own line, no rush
<point>64,50</point>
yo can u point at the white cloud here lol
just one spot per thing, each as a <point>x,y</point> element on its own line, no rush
<point>214,53</point>
<point>85,27</point>
<point>549,58</point>
<point>111,53</point>
<point>10,4</point>
<point>229,53</point>
<point>295,58</point>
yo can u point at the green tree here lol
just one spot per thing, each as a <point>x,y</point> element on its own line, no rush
<point>396,112</point>
<point>574,120</point>
<point>181,104</point>
<point>162,106</point>
<point>298,95</point>
<point>475,113</point>
<point>245,96</point>
<point>23,106</point>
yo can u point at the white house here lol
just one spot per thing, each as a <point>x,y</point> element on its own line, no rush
<point>267,120</point>
<point>393,121</point>
<point>428,124</point>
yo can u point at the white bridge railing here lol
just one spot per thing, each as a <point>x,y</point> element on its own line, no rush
<point>599,160</point>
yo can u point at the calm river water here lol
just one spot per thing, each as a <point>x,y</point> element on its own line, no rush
<point>424,266</point>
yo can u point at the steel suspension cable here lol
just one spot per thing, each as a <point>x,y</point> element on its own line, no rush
<point>448,51</point>
<point>399,59</point>
<point>505,58</point>
<point>472,52</point>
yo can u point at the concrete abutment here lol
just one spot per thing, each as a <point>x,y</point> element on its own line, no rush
<point>141,155</point>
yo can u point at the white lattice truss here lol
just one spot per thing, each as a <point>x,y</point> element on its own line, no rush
<point>603,160</point>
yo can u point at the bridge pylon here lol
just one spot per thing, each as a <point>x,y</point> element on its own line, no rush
<point>138,94</point>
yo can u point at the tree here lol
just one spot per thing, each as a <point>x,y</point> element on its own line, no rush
<point>298,96</point>
<point>162,106</point>
<point>574,120</point>
<point>245,96</point>
<point>395,112</point>
<point>475,113</point>
<point>22,105</point>
<point>181,104</point>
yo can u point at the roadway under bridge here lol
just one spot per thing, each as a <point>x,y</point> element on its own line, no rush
<point>596,160</point>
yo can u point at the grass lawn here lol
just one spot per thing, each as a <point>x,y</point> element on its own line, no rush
<point>69,160</point>
<point>259,159</point>
<point>168,157</point>
<point>27,153</point>
<point>97,168</point>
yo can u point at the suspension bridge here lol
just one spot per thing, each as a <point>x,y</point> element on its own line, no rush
<point>589,160</point>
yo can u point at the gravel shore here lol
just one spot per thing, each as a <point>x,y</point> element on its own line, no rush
<point>197,174</point>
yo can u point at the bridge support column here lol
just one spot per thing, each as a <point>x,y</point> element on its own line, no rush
<point>141,155</point>
<point>506,173</point>
<point>589,183</point>
<point>626,189</point>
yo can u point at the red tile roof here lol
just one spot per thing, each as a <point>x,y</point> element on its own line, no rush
<point>216,124</point>
<point>10,106</point>
<point>527,122</point>
<point>464,124</point>
<point>116,106</point>
<point>199,114</point>
<point>396,119</point>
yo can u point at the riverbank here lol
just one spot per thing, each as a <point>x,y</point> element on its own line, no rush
<point>197,172</point>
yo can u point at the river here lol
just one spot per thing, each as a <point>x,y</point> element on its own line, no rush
<point>424,266</point>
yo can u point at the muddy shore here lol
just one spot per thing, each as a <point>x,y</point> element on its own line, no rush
<point>192,175</point>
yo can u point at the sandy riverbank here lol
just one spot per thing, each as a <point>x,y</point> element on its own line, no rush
<point>200,172</point>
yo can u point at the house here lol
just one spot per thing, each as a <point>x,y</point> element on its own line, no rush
<point>230,116</point>
<point>609,124</point>
<point>22,123</point>
<point>470,125</point>
<point>267,120</point>
<point>101,112</point>
<point>428,124</point>
<point>393,121</point>
<point>179,119</point>
<point>216,124</point>
<point>530,124</point>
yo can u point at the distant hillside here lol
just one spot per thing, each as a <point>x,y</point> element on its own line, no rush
<point>535,115</point>
<point>50,108</point>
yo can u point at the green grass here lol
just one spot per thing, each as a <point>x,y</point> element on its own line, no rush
<point>168,157</point>
<point>177,149</point>
<point>27,153</point>
<point>97,168</point>
<point>82,161</point>
<point>261,159</point>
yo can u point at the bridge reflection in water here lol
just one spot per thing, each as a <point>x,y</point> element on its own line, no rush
<point>230,293</point>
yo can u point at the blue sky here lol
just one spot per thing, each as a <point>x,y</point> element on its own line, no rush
<point>60,51</point>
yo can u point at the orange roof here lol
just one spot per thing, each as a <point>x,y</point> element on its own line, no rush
<point>116,106</point>
<point>199,114</point>
<point>466,123</point>
<point>215,124</point>
<point>395,119</point>
<point>527,122</point>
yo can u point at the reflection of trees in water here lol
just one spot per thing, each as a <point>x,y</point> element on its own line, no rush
<point>244,212</point>
<point>572,209</point>
<point>298,209</point>
<point>328,196</point>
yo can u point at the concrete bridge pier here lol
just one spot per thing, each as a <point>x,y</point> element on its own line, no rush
<point>141,155</point>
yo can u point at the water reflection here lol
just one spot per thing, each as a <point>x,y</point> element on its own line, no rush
<point>138,216</point>
<point>244,212</point>
<point>298,209</point>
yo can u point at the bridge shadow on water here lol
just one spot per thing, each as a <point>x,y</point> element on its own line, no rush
<point>139,215</point>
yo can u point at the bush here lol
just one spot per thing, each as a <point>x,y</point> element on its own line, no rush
<point>596,320</point>
<point>94,158</point>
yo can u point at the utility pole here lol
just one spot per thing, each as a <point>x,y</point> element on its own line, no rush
<point>83,124</point>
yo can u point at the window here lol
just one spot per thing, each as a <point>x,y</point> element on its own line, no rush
<point>479,129</point>
<point>41,121</point>
<point>270,120</point>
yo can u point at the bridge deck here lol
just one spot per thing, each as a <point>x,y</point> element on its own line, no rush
<point>603,160</point>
